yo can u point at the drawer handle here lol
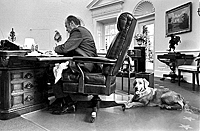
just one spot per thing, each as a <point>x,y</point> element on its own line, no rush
<point>29,98</point>
<point>4,60</point>
<point>28,76</point>
<point>29,85</point>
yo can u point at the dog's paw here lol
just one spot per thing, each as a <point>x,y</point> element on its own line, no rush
<point>165,107</point>
<point>127,105</point>
<point>162,107</point>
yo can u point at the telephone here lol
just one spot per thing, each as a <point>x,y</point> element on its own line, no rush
<point>7,45</point>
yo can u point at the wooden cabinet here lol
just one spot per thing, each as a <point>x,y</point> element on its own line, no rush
<point>23,86</point>
<point>142,59</point>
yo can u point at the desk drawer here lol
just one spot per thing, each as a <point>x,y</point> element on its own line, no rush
<point>31,98</point>
<point>21,99</point>
<point>21,74</point>
<point>23,88</point>
<point>22,85</point>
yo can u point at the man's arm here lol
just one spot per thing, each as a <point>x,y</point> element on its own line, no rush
<point>72,43</point>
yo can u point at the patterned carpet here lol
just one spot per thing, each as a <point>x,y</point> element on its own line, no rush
<point>113,118</point>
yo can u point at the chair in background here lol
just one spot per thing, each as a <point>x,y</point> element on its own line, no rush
<point>129,67</point>
<point>194,69</point>
<point>102,83</point>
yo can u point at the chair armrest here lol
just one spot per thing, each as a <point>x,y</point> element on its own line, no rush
<point>100,60</point>
<point>197,59</point>
<point>82,59</point>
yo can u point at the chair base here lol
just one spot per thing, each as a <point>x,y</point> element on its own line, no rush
<point>95,104</point>
<point>173,77</point>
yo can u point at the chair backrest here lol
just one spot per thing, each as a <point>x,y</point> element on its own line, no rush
<point>198,60</point>
<point>118,48</point>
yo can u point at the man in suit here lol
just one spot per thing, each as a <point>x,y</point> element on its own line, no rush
<point>79,43</point>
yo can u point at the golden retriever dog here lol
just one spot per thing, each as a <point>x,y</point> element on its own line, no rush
<point>146,96</point>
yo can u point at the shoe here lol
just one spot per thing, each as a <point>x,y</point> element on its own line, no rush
<point>69,109</point>
<point>57,104</point>
<point>64,110</point>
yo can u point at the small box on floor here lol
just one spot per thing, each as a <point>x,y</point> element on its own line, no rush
<point>149,77</point>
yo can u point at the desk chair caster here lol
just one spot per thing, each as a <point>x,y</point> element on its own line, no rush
<point>123,107</point>
<point>93,116</point>
<point>95,106</point>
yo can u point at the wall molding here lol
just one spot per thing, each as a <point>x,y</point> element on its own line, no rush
<point>101,7</point>
<point>182,51</point>
<point>143,8</point>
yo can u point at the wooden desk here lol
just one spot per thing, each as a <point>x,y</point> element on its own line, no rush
<point>173,60</point>
<point>23,82</point>
<point>23,86</point>
<point>46,58</point>
<point>50,62</point>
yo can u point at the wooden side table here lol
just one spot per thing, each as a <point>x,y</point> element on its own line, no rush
<point>173,60</point>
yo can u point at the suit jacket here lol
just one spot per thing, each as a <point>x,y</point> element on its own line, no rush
<point>79,43</point>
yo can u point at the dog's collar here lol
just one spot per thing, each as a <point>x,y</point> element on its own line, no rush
<point>154,91</point>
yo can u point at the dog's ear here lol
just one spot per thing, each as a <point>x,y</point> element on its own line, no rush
<point>146,82</point>
<point>134,83</point>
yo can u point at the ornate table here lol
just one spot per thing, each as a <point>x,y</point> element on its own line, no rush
<point>173,60</point>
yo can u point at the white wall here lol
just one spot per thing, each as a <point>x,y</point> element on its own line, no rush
<point>190,42</point>
<point>46,16</point>
<point>42,16</point>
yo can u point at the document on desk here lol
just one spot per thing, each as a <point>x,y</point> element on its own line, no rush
<point>58,69</point>
<point>60,62</point>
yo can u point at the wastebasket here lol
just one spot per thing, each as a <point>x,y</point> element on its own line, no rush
<point>149,77</point>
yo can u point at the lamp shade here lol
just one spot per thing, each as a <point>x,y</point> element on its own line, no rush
<point>28,42</point>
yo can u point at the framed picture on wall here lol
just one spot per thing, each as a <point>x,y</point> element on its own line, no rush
<point>179,19</point>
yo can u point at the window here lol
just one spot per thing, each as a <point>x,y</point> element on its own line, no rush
<point>104,15</point>
<point>145,14</point>
<point>110,33</point>
<point>106,31</point>
<point>150,42</point>
<point>149,52</point>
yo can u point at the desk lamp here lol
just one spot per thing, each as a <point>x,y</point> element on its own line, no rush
<point>29,43</point>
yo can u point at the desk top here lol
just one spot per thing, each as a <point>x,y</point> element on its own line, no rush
<point>175,55</point>
<point>46,58</point>
<point>13,52</point>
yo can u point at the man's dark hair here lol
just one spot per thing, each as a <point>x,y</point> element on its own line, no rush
<point>74,19</point>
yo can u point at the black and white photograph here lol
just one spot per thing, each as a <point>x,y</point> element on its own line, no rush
<point>99,65</point>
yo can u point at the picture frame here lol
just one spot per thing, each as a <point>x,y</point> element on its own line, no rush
<point>179,19</point>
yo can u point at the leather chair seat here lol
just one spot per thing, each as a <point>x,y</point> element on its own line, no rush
<point>67,76</point>
<point>97,79</point>
<point>95,83</point>
<point>90,78</point>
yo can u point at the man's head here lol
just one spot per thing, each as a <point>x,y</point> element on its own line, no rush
<point>71,22</point>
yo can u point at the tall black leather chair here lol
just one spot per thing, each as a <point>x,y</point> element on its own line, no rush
<point>102,83</point>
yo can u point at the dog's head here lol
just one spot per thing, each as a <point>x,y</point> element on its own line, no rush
<point>141,87</point>
<point>140,84</point>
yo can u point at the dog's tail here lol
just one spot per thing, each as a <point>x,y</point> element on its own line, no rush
<point>187,107</point>
<point>181,101</point>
